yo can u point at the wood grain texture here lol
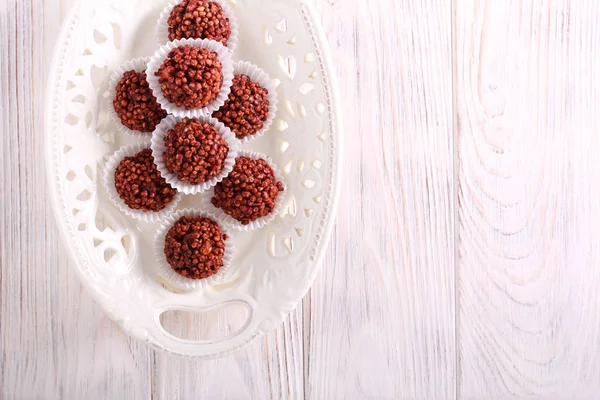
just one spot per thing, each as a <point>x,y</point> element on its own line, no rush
<point>527,96</point>
<point>471,116</point>
<point>382,312</point>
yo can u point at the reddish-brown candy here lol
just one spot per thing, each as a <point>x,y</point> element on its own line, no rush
<point>194,247</point>
<point>135,104</point>
<point>140,185</point>
<point>199,19</point>
<point>246,109</point>
<point>191,77</point>
<point>249,192</point>
<point>195,151</point>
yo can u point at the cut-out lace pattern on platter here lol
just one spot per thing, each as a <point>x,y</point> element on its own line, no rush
<point>279,262</point>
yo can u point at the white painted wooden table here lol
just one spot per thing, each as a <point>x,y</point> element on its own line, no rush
<point>465,263</point>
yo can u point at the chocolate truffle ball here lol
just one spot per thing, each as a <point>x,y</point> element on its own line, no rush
<point>135,104</point>
<point>249,192</point>
<point>194,247</point>
<point>191,77</point>
<point>246,109</point>
<point>140,185</point>
<point>199,19</point>
<point>195,151</point>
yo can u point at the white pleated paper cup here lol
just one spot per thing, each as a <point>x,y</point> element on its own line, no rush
<point>258,75</point>
<point>164,268</point>
<point>162,54</point>
<point>109,181</point>
<point>137,65</point>
<point>232,223</point>
<point>162,27</point>
<point>158,150</point>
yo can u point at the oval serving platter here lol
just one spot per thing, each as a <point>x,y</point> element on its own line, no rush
<point>273,268</point>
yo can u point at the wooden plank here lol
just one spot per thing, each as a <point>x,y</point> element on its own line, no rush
<point>529,273</point>
<point>55,342</point>
<point>381,313</point>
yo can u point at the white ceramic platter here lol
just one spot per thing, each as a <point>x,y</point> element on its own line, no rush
<point>274,267</point>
